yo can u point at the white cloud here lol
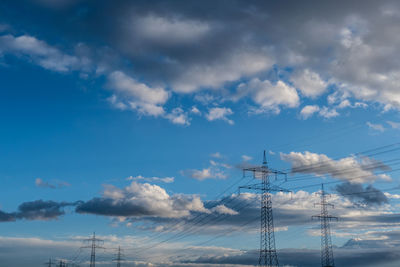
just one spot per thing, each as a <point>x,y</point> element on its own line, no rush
<point>352,169</point>
<point>246,158</point>
<point>203,174</point>
<point>195,110</point>
<point>309,83</point>
<point>216,155</point>
<point>325,112</point>
<point>178,116</point>
<point>328,113</point>
<point>376,127</point>
<point>222,209</point>
<point>394,125</point>
<point>219,114</point>
<point>41,53</point>
<point>151,179</point>
<point>269,97</point>
<point>142,200</point>
<point>308,111</point>
<point>135,95</point>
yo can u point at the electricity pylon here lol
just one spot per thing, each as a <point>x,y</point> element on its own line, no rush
<point>94,243</point>
<point>268,255</point>
<point>326,242</point>
<point>119,257</point>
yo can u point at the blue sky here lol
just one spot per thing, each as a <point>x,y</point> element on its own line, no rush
<point>133,119</point>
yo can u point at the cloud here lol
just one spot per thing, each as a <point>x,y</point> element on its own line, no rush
<point>352,169</point>
<point>324,112</point>
<point>308,111</point>
<point>151,179</point>
<point>394,125</point>
<point>309,83</point>
<point>216,155</point>
<point>136,95</point>
<point>195,110</point>
<point>178,116</point>
<point>376,127</point>
<point>222,209</point>
<point>366,196</point>
<point>269,96</point>
<point>219,114</point>
<point>169,45</point>
<point>37,210</point>
<point>140,201</point>
<point>169,30</point>
<point>40,53</point>
<point>246,158</point>
<point>203,174</point>
<point>41,183</point>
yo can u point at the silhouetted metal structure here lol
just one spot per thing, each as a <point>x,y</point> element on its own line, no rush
<point>94,243</point>
<point>326,242</point>
<point>119,258</point>
<point>268,255</point>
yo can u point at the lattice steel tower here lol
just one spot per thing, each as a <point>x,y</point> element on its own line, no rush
<point>326,242</point>
<point>119,257</point>
<point>94,243</point>
<point>268,255</point>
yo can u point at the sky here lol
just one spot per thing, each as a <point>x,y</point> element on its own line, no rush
<point>134,120</point>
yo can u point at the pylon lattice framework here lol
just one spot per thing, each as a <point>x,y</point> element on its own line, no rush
<point>268,256</point>
<point>94,243</point>
<point>119,258</point>
<point>326,241</point>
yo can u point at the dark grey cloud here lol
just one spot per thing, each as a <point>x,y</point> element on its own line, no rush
<point>358,194</point>
<point>191,45</point>
<point>37,210</point>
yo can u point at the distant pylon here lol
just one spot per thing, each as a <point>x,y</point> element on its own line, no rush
<point>326,242</point>
<point>94,243</point>
<point>119,257</point>
<point>268,256</point>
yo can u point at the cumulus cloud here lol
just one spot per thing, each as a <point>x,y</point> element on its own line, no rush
<point>309,83</point>
<point>178,116</point>
<point>355,170</point>
<point>141,200</point>
<point>308,111</point>
<point>137,95</point>
<point>219,114</point>
<point>269,96</point>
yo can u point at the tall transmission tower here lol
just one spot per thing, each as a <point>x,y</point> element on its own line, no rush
<point>268,255</point>
<point>326,242</point>
<point>93,244</point>
<point>119,258</point>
